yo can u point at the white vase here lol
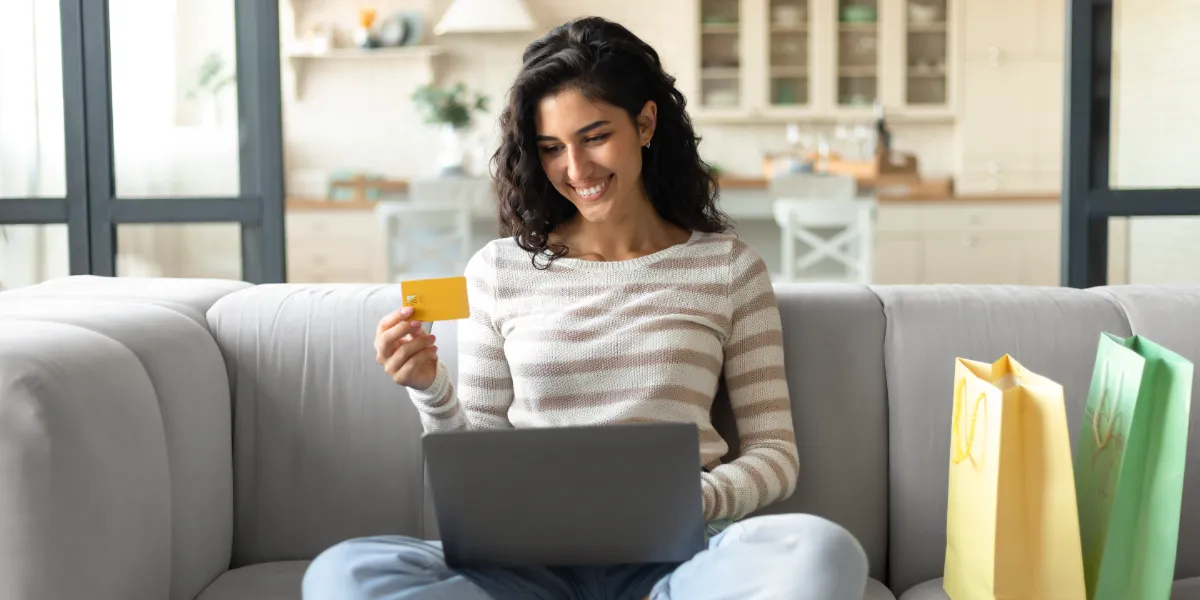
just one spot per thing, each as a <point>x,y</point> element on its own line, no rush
<point>452,153</point>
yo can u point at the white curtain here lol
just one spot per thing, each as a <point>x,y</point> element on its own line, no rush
<point>32,146</point>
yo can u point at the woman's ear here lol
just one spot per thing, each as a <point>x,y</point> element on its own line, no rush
<point>647,120</point>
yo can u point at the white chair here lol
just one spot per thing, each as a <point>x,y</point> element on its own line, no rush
<point>431,234</point>
<point>825,215</point>
<point>425,239</point>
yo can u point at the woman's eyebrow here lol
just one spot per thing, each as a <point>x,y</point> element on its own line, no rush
<point>580,131</point>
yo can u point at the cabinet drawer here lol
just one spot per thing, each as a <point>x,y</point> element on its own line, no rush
<point>323,275</point>
<point>970,258</point>
<point>897,259</point>
<point>349,257</point>
<point>1021,182</point>
<point>897,217</point>
<point>1002,215</point>
<point>333,225</point>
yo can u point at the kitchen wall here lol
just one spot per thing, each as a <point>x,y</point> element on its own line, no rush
<point>357,114</point>
<point>1155,127</point>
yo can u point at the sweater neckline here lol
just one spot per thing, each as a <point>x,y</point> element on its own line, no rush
<point>609,266</point>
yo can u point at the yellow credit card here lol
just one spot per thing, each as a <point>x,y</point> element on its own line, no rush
<point>443,299</point>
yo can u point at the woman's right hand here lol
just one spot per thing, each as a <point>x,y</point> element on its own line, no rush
<point>406,351</point>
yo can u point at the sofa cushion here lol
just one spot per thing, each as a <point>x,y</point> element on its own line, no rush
<point>1052,331</point>
<point>1184,589</point>
<point>190,297</point>
<point>84,487</point>
<point>266,581</point>
<point>1170,315</point>
<point>188,375</point>
<point>833,348</point>
<point>877,591</point>
<point>326,447</point>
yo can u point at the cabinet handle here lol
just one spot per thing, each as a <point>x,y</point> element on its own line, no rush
<point>994,56</point>
<point>993,167</point>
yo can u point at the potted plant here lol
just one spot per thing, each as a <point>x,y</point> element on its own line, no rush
<point>451,109</point>
<point>212,77</point>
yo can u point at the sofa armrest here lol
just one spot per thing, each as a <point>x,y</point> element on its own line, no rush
<point>84,485</point>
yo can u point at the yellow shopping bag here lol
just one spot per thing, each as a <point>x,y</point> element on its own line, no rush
<point>1012,526</point>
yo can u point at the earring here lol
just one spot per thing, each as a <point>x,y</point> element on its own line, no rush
<point>647,144</point>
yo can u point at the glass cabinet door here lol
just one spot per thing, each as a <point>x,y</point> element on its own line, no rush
<point>927,51</point>
<point>789,53</point>
<point>721,55</point>
<point>857,53</point>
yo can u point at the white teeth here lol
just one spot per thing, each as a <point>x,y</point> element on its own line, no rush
<point>591,191</point>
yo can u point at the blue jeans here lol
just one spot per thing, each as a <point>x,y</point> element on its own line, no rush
<point>793,557</point>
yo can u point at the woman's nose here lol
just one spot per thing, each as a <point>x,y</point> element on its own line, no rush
<point>578,165</point>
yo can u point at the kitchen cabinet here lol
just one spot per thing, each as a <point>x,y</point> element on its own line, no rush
<point>897,259</point>
<point>971,258</point>
<point>1000,29</point>
<point>823,59</point>
<point>1011,125</point>
<point>334,245</point>
<point>1004,241</point>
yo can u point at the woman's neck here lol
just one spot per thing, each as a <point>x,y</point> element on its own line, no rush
<point>626,237</point>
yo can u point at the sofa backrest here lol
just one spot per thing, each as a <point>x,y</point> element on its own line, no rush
<point>833,349</point>
<point>1051,331</point>
<point>325,446</point>
<point>177,444</point>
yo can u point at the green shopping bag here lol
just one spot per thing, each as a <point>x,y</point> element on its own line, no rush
<point>1129,463</point>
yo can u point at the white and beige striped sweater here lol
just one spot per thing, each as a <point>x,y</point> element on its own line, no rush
<point>646,339</point>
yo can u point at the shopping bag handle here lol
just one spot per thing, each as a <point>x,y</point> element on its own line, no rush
<point>961,454</point>
<point>1102,440</point>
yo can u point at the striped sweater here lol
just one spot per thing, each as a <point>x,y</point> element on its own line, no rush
<point>646,339</point>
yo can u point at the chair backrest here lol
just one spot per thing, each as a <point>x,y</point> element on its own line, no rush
<point>813,186</point>
<point>818,213</point>
<point>836,231</point>
<point>426,238</point>
<point>430,233</point>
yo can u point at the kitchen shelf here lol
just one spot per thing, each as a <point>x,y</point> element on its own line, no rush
<point>299,61</point>
<point>421,52</point>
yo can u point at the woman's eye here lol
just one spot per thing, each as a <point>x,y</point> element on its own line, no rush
<point>551,149</point>
<point>595,139</point>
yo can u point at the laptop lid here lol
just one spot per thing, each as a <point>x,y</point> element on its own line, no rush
<point>599,495</point>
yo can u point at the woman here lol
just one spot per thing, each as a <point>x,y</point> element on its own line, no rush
<point>615,296</point>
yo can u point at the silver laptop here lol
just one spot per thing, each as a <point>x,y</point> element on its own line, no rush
<point>598,495</point>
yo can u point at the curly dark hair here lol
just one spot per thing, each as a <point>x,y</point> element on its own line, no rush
<point>604,61</point>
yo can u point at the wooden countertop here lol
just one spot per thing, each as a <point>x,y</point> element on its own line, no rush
<point>734,182</point>
<point>322,204</point>
<point>748,185</point>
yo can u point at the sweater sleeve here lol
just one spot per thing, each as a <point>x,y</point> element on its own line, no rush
<point>768,464</point>
<point>484,392</point>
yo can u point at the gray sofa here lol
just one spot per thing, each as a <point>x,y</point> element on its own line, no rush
<point>180,439</point>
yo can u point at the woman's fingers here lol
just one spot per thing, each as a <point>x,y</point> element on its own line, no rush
<point>386,342</point>
<point>406,351</point>
<point>391,319</point>
<point>416,361</point>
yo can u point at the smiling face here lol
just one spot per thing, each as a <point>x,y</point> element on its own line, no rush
<point>591,152</point>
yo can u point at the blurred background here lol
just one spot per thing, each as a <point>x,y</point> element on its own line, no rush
<point>876,141</point>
